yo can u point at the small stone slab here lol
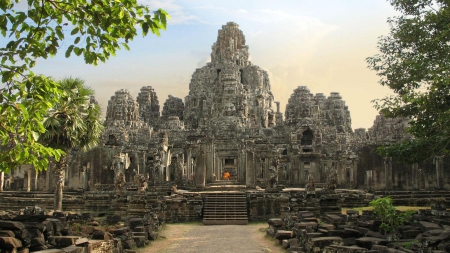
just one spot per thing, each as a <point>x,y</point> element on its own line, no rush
<point>37,241</point>
<point>73,249</point>
<point>62,241</point>
<point>81,241</point>
<point>305,225</point>
<point>411,233</point>
<point>322,242</point>
<point>344,249</point>
<point>11,225</point>
<point>136,222</point>
<point>367,242</point>
<point>9,243</point>
<point>426,226</point>
<point>276,222</point>
<point>50,251</point>
<point>35,225</point>
<point>284,234</point>
<point>121,231</point>
<point>7,233</point>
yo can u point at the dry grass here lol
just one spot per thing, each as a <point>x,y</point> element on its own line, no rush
<point>400,208</point>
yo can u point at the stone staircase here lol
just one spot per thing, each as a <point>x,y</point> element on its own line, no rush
<point>225,208</point>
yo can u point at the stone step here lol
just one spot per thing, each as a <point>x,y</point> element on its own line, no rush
<point>225,209</point>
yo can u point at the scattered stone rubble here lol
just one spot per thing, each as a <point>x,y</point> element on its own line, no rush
<point>75,233</point>
<point>305,232</point>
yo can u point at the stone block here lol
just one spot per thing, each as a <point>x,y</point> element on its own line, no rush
<point>380,248</point>
<point>128,244</point>
<point>34,225</point>
<point>318,244</point>
<point>62,241</point>
<point>285,243</point>
<point>426,226</point>
<point>139,229</point>
<point>136,222</point>
<point>411,234</point>
<point>73,249</point>
<point>37,241</point>
<point>344,249</point>
<point>367,242</point>
<point>276,222</point>
<point>10,243</point>
<point>7,233</point>
<point>140,241</point>
<point>284,234</point>
<point>326,226</point>
<point>11,225</point>
<point>350,241</point>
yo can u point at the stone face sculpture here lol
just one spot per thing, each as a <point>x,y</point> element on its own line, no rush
<point>141,180</point>
<point>119,183</point>
<point>273,171</point>
<point>332,181</point>
<point>310,187</point>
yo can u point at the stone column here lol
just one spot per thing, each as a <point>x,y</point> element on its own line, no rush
<point>415,176</point>
<point>36,174</point>
<point>189,164</point>
<point>439,161</point>
<point>165,161</point>
<point>2,180</point>
<point>388,172</point>
<point>209,161</point>
<point>200,171</point>
<point>250,171</point>
<point>29,180</point>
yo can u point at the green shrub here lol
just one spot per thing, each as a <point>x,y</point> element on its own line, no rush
<point>388,214</point>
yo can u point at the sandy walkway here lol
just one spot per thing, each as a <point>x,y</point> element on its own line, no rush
<point>196,238</point>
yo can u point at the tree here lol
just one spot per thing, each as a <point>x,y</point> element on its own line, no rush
<point>72,123</point>
<point>93,29</point>
<point>414,61</point>
<point>390,218</point>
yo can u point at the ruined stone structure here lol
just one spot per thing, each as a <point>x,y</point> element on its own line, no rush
<point>230,122</point>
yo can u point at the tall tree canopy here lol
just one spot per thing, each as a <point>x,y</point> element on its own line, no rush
<point>72,123</point>
<point>39,29</point>
<point>414,61</point>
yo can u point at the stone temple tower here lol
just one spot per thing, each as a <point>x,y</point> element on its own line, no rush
<point>229,93</point>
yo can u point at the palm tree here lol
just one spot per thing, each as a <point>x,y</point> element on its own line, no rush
<point>72,123</point>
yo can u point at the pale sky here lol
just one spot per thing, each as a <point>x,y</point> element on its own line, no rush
<point>321,44</point>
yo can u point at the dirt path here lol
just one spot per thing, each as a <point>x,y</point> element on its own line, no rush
<point>196,238</point>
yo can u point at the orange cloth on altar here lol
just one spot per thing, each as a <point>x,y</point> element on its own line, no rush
<point>226,175</point>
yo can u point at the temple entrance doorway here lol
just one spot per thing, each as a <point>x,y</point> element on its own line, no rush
<point>228,169</point>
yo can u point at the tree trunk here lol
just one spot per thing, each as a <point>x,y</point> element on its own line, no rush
<point>59,173</point>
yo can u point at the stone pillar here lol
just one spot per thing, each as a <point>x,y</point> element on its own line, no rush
<point>209,161</point>
<point>439,162</point>
<point>200,172</point>
<point>165,159</point>
<point>415,176</point>
<point>36,174</point>
<point>189,164</point>
<point>250,171</point>
<point>388,172</point>
<point>2,180</point>
<point>47,178</point>
<point>28,180</point>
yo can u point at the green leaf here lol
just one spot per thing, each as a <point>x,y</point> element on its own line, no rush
<point>75,31</point>
<point>69,51</point>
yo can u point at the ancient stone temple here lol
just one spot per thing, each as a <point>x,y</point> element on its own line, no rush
<point>230,123</point>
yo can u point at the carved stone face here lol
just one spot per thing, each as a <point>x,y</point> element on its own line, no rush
<point>229,109</point>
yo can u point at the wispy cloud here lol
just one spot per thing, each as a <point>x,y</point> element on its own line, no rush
<point>177,13</point>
